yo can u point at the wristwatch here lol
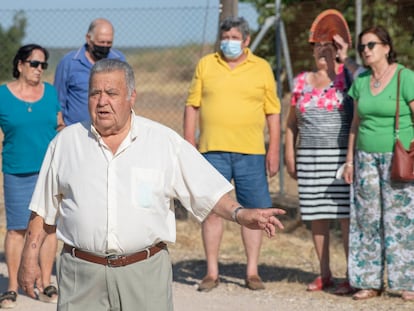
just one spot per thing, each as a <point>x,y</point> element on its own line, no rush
<point>234,214</point>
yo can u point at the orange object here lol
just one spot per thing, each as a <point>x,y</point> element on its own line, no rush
<point>327,24</point>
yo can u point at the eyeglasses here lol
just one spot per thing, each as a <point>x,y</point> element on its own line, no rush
<point>370,45</point>
<point>36,63</point>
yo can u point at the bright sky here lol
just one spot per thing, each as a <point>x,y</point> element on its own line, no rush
<point>44,4</point>
<point>50,20</point>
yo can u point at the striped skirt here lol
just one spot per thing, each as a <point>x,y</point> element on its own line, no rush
<point>321,195</point>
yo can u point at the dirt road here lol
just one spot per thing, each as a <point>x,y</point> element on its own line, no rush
<point>288,264</point>
<point>230,295</point>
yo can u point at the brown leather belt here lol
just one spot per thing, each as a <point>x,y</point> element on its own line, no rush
<point>115,260</point>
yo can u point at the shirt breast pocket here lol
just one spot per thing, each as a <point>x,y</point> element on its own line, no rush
<point>147,188</point>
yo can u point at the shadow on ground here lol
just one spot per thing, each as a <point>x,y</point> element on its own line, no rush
<point>190,272</point>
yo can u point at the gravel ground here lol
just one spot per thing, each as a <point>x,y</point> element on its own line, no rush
<point>288,263</point>
<point>278,296</point>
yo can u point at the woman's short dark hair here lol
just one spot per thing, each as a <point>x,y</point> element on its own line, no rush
<point>23,54</point>
<point>384,37</point>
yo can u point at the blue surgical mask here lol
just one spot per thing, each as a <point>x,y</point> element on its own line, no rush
<point>231,49</point>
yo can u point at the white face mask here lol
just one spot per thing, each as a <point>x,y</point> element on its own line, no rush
<point>231,49</point>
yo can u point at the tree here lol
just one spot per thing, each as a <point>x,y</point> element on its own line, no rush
<point>227,8</point>
<point>298,16</point>
<point>11,40</point>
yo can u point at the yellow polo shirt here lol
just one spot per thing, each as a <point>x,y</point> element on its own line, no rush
<point>233,103</point>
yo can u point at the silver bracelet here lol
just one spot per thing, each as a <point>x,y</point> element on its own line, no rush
<point>234,214</point>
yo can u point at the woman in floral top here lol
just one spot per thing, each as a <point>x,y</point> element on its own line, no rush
<point>315,147</point>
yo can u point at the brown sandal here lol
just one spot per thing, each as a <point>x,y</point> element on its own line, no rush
<point>366,294</point>
<point>207,284</point>
<point>254,282</point>
<point>407,295</point>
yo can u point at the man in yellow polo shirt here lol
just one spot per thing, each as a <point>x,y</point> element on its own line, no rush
<point>233,95</point>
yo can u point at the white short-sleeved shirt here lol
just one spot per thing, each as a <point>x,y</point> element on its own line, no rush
<point>121,203</point>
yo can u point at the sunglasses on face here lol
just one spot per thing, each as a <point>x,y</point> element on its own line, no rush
<point>36,63</point>
<point>370,45</point>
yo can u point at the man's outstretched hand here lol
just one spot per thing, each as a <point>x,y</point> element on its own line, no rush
<point>261,218</point>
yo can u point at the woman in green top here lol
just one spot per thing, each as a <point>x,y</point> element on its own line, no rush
<point>382,211</point>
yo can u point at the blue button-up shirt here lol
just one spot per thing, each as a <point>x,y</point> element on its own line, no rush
<point>72,83</point>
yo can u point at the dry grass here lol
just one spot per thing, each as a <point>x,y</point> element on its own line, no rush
<point>287,261</point>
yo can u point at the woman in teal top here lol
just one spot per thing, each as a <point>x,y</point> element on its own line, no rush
<point>382,211</point>
<point>29,118</point>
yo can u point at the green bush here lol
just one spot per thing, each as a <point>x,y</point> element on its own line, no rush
<point>11,40</point>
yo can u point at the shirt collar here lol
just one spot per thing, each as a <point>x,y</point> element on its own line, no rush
<point>134,126</point>
<point>81,57</point>
<point>133,131</point>
<point>250,56</point>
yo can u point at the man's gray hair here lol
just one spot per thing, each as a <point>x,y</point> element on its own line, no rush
<point>235,22</point>
<point>107,65</point>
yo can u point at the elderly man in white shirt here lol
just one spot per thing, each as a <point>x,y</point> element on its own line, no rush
<point>107,187</point>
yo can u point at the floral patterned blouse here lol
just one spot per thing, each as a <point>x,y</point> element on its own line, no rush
<point>329,98</point>
<point>322,120</point>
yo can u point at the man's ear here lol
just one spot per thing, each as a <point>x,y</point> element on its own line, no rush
<point>87,38</point>
<point>246,42</point>
<point>133,98</point>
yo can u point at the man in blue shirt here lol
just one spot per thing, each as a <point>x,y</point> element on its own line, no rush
<point>72,72</point>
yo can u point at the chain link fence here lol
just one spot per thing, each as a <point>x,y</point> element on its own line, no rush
<point>163,44</point>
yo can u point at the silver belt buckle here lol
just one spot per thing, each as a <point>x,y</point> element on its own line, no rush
<point>111,258</point>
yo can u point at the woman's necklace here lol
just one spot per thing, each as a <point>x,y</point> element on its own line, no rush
<point>29,96</point>
<point>29,106</point>
<point>377,81</point>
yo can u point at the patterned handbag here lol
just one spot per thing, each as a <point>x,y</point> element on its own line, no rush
<point>402,166</point>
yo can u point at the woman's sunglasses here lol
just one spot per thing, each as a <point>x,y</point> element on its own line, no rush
<point>370,45</point>
<point>36,63</point>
